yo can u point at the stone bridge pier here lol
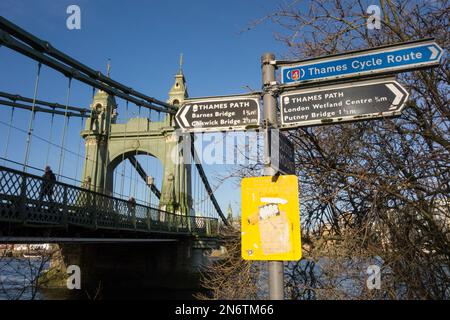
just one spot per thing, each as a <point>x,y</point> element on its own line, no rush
<point>121,267</point>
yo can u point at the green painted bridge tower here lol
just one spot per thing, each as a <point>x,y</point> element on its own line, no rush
<point>108,143</point>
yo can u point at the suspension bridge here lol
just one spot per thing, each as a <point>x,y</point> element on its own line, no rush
<point>120,174</point>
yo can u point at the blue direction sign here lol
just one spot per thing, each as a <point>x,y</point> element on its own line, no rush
<point>394,58</point>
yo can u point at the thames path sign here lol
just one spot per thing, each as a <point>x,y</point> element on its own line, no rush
<point>360,100</point>
<point>387,59</point>
<point>219,113</point>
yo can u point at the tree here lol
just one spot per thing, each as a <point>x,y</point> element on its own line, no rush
<point>230,277</point>
<point>374,190</point>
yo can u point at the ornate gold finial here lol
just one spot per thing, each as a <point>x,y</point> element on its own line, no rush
<point>108,67</point>
<point>181,64</point>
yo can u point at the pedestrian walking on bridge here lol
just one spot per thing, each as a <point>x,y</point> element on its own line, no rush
<point>48,182</point>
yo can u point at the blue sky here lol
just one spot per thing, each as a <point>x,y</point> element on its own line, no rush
<point>144,40</point>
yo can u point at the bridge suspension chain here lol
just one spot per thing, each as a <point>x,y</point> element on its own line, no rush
<point>38,109</point>
<point>52,105</point>
<point>43,52</point>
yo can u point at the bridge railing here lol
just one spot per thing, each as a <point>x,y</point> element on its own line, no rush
<point>23,199</point>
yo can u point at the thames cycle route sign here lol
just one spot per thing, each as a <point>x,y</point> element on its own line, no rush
<point>228,113</point>
<point>387,59</point>
<point>353,101</point>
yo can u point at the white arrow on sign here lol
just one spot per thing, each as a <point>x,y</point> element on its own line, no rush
<point>390,59</point>
<point>385,98</point>
<point>434,52</point>
<point>398,96</point>
<point>183,117</point>
<point>224,113</point>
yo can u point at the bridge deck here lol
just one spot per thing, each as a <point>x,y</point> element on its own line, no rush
<point>23,206</point>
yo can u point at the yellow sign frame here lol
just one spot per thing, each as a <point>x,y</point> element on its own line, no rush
<point>271,219</point>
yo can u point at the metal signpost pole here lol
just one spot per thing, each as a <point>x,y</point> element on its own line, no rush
<point>276,268</point>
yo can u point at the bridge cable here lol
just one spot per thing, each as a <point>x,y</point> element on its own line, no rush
<point>50,137</point>
<point>131,182</point>
<point>258,146</point>
<point>164,177</point>
<point>35,168</point>
<point>109,114</point>
<point>162,171</point>
<point>116,169</point>
<point>148,194</point>
<point>33,114</point>
<point>204,193</point>
<point>209,207</point>
<point>198,191</point>
<point>203,201</point>
<point>194,188</point>
<point>123,153</point>
<point>137,151</point>
<point>66,124</point>
<point>9,134</point>
<point>198,188</point>
<point>159,118</point>
<point>206,206</point>
<point>37,137</point>
<point>161,176</point>
<point>79,149</point>
<point>261,145</point>
<point>9,125</point>
<point>194,182</point>
<point>87,143</point>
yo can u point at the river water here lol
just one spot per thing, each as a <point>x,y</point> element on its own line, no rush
<point>17,276</point>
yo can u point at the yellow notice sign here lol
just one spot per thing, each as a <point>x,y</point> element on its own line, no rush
<point>271,219</point>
